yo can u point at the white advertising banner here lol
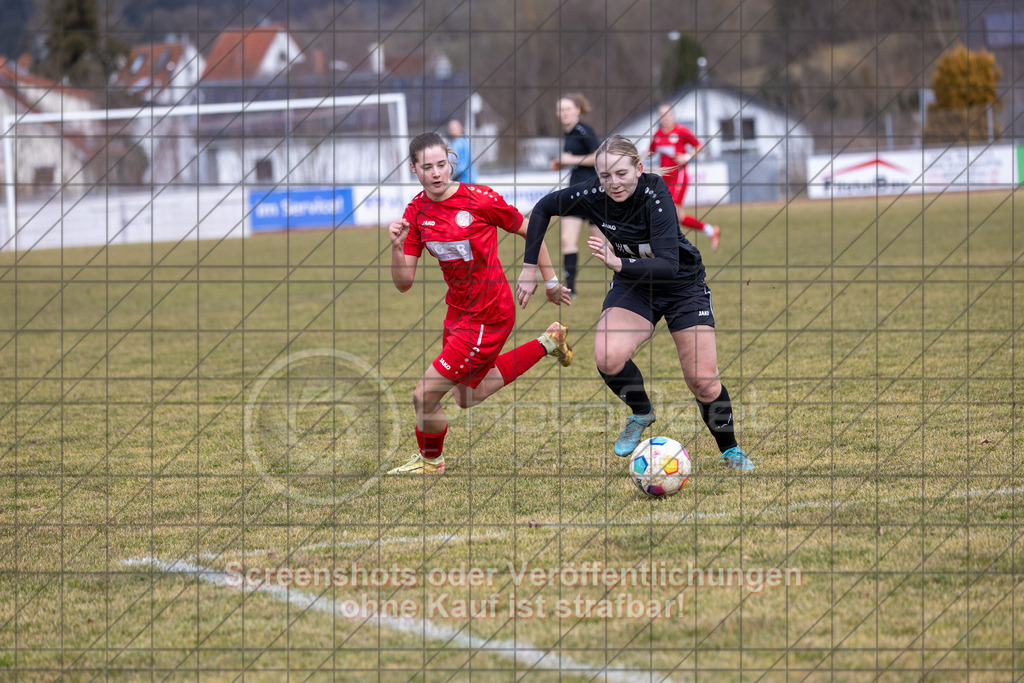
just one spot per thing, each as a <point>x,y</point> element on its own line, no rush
<point>952,169</point>
<point>381,204</point>
<point>709,185</point>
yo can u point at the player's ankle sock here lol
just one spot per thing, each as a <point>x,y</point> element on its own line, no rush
<point>431,445</point>
<point>628,384</point>
<point>717,415</point>
<point>692,223</point>
<point>569,262</point>
<point>709,230</point>
<point>514,363</point>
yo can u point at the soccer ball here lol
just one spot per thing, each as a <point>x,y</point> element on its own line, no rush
<point>659,466</point>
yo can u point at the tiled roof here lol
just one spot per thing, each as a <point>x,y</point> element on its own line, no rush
<point>238,53</point>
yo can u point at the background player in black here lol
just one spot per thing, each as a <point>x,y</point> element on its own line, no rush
<point>658,274</point>
<point>578,154</point>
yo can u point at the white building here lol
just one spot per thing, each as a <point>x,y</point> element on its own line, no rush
<point>46,156</point>
<point>162,73</point>
<point>754,138</point>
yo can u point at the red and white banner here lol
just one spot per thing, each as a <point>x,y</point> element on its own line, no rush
<point>947,169</point>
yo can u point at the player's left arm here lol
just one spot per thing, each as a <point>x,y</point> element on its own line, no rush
<point>684,157</point>
<point>578,160</point>
<point>508,218</point>
<point>589,159</point>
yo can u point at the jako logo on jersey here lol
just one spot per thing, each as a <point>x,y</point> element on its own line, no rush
<point>608,227</point>
<point>703,313</point>
<point>429,223</point>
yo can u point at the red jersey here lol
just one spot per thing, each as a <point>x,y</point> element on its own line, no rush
<point>668,145</point>
<point>460,232</point>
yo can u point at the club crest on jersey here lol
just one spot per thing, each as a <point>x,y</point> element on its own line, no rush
<point>463,219</point>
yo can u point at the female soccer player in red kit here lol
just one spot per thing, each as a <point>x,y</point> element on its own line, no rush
<point>669,143</point>
<point>458,224</point>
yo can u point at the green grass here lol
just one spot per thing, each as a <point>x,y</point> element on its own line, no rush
<point>220,403</point>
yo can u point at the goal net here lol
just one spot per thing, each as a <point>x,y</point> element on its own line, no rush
<point>199,170</point>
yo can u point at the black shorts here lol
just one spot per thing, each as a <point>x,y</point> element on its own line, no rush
<point>682,306</point>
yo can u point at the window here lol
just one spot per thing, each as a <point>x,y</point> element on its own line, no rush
<point>162,60</point>
<point>265,170</point>
<point>137,64</point>
<point>43,175</point>
<point>733,130</point>
<point>728,130</point>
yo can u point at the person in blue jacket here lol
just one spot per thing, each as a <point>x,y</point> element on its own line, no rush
<point>463,170</point>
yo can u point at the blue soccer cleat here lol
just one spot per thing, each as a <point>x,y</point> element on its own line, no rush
<point>629,439</point>
<point>736,459</point>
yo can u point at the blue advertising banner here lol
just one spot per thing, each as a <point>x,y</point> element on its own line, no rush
<point>301,207</point>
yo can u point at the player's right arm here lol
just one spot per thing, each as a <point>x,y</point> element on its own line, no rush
<point>403,266</point>
<point>557,203</point>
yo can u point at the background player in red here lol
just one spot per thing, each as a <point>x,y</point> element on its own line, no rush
<point>669,144</point>
<point>458,224</point>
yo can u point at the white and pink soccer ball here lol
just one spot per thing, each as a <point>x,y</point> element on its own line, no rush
<point>659,466</point>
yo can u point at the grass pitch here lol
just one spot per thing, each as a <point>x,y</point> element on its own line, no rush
<point>194,435</point>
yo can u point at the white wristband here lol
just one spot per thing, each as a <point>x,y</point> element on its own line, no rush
<point>552,283</point>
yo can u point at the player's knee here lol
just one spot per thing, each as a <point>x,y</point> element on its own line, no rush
<point>418,398</point>
<point>704,389</point>
<point>463,398</point>
<point>609,364</point>
<point>423,400</point>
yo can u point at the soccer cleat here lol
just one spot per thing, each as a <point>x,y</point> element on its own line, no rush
<point>420,465</point>
<point>629,439</point>
<point>555,336</point>
<point>715,232</point>
<point>736,459</point>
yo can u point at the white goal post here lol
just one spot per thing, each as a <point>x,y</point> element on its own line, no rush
<point>130,164</point>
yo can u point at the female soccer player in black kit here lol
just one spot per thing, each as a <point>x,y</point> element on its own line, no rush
<point>577,153</point>
<point>658,274</point>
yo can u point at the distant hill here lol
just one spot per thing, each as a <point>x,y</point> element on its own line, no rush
<point>149,20</point>
<point>860,61</point>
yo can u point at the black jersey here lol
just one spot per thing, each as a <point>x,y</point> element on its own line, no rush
<point>643,230</point>
<point>581,140</point>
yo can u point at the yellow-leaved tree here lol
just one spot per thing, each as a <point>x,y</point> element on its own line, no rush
<point>966,87</point>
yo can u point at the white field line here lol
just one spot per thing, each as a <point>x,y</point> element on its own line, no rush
<point>356,543</point>
<point>523,652</point>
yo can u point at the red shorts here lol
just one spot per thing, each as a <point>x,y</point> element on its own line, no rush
<point>469,353</point>
<point>677,186</point>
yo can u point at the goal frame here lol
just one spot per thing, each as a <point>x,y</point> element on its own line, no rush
<point>399,125</point>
